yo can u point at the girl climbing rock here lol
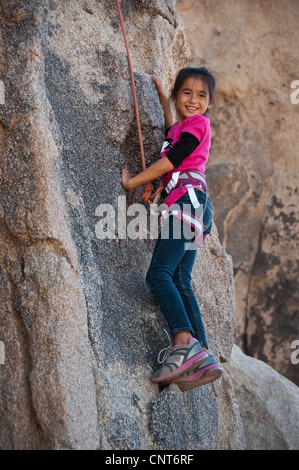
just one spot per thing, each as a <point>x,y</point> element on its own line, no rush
<point>182,167</point>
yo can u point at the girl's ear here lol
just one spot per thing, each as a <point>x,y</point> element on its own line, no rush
<point>212,101</point>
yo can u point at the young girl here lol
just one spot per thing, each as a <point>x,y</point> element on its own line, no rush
<point>184,153</point>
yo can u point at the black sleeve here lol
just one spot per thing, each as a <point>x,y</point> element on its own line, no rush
<point>167,130</point>
<point>182,149</point>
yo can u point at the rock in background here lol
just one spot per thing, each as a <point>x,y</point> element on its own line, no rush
<point>269,403</point>
<point>253,169</point>
<point>81,331</point>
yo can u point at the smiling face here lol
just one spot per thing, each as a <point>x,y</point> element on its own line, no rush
<point>192,99</point>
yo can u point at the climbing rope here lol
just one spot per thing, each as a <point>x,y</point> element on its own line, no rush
<point>148,187</point>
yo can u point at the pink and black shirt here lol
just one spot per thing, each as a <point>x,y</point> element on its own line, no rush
<point>187,146</point>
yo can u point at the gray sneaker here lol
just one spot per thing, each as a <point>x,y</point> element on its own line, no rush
<point>179,359</point>
<point>206,372</point>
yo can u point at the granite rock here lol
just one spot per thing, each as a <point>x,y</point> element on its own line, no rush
<point>80,329</point>
<point>268,402</point>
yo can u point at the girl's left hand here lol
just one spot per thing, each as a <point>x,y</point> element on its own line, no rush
<point>125,177</point>
<point>162,93</point>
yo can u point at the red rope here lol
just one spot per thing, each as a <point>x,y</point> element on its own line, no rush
<point>146,193</point>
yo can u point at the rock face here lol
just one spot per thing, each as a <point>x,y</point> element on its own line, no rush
<point>80,330</point>
<point>253,47</point>
<point>265,399</point>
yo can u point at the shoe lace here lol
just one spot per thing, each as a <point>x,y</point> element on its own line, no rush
<point>165,351</point>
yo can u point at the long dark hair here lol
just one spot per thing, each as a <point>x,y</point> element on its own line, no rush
<point>196,72</point>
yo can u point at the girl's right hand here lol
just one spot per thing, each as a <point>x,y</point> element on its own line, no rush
<point>125,177</point>
<point>162,93</point>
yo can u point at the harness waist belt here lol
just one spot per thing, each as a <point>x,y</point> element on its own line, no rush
<point>189,179</point>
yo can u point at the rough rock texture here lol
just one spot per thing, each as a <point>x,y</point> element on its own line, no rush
<point>252,46</point>
<point>265,399</point>
<point>81,331</point>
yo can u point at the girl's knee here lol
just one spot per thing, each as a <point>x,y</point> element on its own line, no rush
<point>182,279</point>
<point>155,275</point>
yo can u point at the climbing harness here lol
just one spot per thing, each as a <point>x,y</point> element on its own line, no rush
<point>189,179</point>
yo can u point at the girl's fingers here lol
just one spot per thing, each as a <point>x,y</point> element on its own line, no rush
<point>125,176</point>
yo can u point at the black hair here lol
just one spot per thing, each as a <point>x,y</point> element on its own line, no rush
<point>196,72</point>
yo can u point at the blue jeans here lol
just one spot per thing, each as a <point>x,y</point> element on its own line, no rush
<point>169,274</point>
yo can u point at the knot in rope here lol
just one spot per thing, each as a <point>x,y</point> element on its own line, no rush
<point>146,194</point>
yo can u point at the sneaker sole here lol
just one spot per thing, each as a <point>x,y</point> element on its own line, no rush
<point>187,366</point>
<point>204,377</point>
